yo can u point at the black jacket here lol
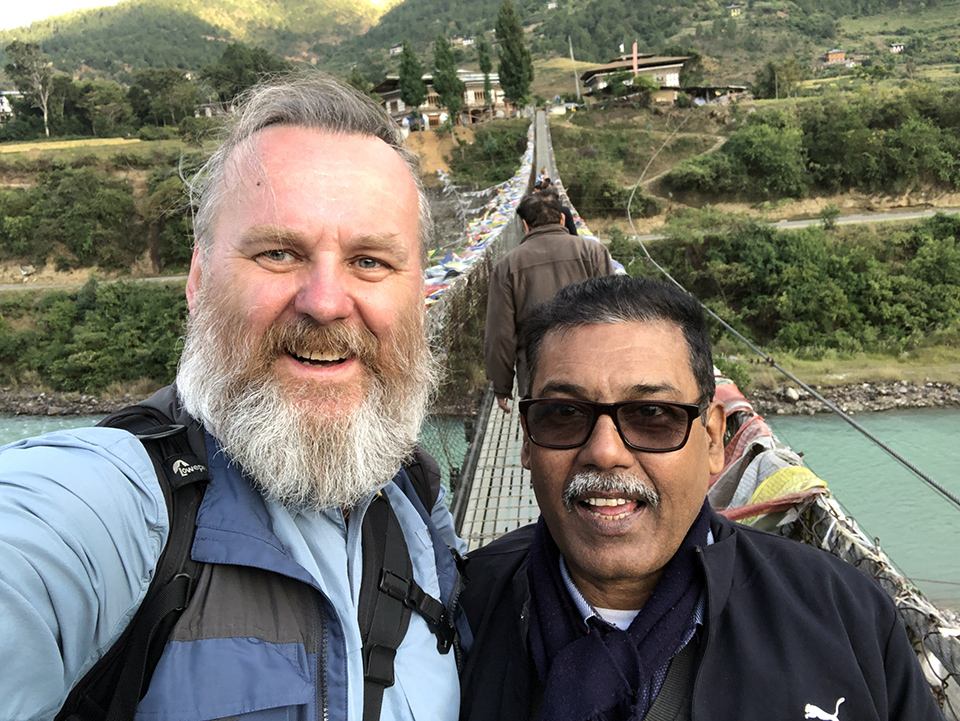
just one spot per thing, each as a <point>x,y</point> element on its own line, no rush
<point>787,626</point>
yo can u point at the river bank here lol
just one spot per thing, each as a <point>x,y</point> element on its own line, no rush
<point>784,400</point>
<point>855,398</point>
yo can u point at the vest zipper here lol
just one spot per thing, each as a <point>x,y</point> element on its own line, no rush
<point>323,711</point>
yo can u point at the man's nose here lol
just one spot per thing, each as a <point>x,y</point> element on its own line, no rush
<point>605,448</point>
<point>324,292</point>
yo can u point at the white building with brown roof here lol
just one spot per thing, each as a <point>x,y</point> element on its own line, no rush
<point>665,71</point>
<point>476,106</point>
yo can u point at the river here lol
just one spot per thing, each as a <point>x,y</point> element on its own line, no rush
<point>917,527</point>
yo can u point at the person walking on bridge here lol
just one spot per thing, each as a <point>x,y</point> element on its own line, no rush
<point>548,259</point>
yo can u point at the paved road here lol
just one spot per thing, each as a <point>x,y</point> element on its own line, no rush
<point>870,217</point>
<point>847,219</point>
<point>70,286</point>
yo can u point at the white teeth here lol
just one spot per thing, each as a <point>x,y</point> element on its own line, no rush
<point>605,517</point>
<point>320,357</point>
<point>605,501</point>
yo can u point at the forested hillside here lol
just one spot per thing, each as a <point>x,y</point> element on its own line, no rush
<point>338,35</point>
<point>189,34</point>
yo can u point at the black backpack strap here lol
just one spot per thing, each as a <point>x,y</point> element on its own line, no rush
<point>112,689</point>
<point>424,473</point>
<point>383,616</point>
<point>675,700</point>
<point>388,596</point>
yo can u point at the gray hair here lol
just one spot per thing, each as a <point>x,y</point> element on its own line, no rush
<point>309,100</point>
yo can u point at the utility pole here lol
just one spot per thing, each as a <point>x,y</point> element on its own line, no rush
<point>576,78</point>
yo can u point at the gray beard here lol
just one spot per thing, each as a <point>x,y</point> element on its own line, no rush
<point>305,462</point>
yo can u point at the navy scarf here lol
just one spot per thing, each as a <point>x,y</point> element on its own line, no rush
<point>606,673</point>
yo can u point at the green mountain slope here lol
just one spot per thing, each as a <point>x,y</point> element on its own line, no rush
<point>338,34</point>
<point>191,33</point>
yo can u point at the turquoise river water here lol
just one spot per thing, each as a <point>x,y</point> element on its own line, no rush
<point>917,527</point>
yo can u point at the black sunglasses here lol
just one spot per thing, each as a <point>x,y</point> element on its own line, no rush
<point>651,426</point>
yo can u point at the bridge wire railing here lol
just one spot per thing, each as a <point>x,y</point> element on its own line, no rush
<point>821,522</point>
<point>458,282</point>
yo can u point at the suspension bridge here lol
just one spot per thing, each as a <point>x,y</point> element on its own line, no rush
<point>493,494</point>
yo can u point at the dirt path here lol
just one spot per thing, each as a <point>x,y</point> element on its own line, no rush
<point>712,149</point>
<point>434,150</point>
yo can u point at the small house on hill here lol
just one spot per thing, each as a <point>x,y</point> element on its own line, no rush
<point>836,56</point>
<point>476,106</point>
<point>665,71</point>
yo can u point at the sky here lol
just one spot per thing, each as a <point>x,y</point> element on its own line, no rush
<point>16,13</point>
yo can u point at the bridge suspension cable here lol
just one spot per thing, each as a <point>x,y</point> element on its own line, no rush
<point>946,493</point>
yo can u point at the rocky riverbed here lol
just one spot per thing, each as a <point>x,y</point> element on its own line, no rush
<point>859,398</point>
<point>785,400</point>
<point>34,403</point>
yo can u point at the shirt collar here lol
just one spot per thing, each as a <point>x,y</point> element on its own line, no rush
<point>587,610</point>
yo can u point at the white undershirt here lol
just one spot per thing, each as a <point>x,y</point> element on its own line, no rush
<point>617,617</point>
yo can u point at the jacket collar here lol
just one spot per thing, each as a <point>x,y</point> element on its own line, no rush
<point>550,229</point>
<point>719,560</point>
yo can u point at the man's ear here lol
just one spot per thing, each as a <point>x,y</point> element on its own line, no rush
<point>193,278</point>
<point>716,425</point>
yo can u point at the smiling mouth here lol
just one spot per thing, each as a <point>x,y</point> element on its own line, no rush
<point>610,509</point>
<point>319,360</point>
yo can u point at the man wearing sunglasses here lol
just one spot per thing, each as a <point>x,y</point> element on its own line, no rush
<point>630,598</point>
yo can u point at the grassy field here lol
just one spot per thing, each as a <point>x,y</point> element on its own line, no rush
<point>67,144</point>
<point>941,16</point>
<point>67,152</point>
<point>556,76</point>
<point>929,365</point>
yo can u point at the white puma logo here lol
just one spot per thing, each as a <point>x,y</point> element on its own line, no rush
<point>811,711</point>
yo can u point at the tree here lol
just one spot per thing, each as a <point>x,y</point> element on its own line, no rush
<point>32,73</point>
<point>161,92</point>
<point>239,68</point>
<point>413,91</point>
<point>358,81</point>
<point>106,105</point>
<point>775,80</point>
<point>448,85</point>
<point>516,65</point>
<point>829,215</point>
<point>486,67</point>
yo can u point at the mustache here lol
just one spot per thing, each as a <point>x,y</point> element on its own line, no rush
<point>304,336</point>
<point>623,483</point>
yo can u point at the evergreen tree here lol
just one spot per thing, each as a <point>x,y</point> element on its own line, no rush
<point>31,73</point>
<point>448,86</point>
<point>413,91</point>
<point>516,65</point>
<point>239,68</point>
<point>486,67</point>
<point>357,80</point>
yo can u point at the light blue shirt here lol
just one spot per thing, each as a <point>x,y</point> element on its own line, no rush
<point>84,523</point>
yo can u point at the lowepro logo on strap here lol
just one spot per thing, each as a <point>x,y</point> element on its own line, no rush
<point>184,469</point>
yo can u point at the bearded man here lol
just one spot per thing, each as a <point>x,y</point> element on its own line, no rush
<point>303,382</point>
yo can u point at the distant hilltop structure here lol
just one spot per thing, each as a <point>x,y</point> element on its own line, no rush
<point>665,71</point>
<point>836,56</point>
<point>477,107</point>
